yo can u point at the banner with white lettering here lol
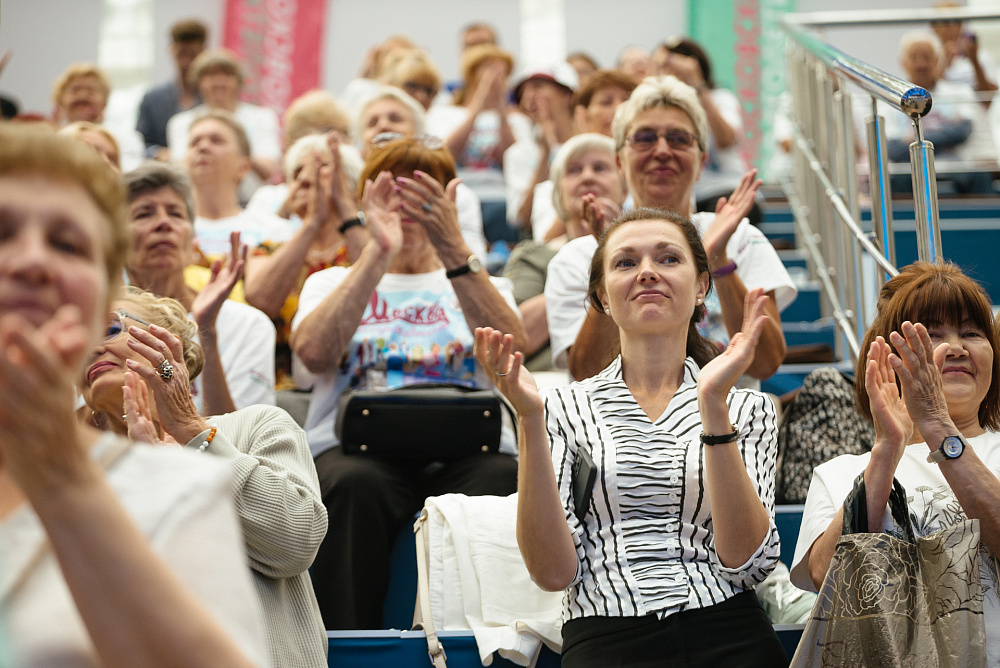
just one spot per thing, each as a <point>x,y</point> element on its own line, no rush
<point>280,43</point>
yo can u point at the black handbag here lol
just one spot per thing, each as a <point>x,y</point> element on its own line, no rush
<point>427,422</point>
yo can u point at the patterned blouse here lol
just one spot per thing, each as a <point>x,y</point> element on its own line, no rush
<point>646,544</point>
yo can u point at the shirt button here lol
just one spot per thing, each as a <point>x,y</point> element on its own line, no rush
<point>674,480</point>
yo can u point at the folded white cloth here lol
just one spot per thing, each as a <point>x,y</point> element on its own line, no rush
<point>478,581</point>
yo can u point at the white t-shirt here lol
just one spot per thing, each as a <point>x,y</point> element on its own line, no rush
<point>520,162</point>
<point>182,503</point>
<point>569,273</point>
<point>725,166</point>
<point>254,225</point>
<point>246,347</point>
<point>412,331</point>
<point>932,505</point>
<point>543,211</point>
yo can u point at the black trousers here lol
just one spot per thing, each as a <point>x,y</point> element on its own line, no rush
<point>733,634</point>
<point>369,501</point>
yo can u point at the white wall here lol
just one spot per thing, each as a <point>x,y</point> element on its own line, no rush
<point>45,36</point>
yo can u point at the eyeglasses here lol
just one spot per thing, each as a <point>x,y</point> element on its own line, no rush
<point>678,140</point>
<point>429,142</point>
<point>116,326</point>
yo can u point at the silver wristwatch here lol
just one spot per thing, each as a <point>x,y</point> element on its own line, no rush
<point>952,447</point>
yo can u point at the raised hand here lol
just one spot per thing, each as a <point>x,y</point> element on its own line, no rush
<point>599,212</point>
<point>381,204</point>
<point>686,69</point>
<point>728,214</point>
<point>138,414</point>
<point>718,376</point>
<point>39,436</point>
<point>342,203</point>
<point>225,275</point>
<point>494,352</point>
<point>174,406</point>
<point>424,200</point>
<point>918,366</point>
<point>893,426</point>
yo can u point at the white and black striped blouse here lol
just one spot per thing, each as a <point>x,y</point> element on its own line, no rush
<point>646,545</point>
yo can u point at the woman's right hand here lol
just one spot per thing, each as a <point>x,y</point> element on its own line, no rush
<point>39,434</point>
<point>493,352</point>
<point>893,426</point>
<point>599,212</point>
<point>381,203</point>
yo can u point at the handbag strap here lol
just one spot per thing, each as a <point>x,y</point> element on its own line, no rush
<point>856,509</point>
<point>435,650</point>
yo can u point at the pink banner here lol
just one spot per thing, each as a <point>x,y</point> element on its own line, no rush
<point>280,43</point>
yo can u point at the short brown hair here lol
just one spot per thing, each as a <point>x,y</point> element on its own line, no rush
<point>602,79</point>
<point>75,71</point>
<point>698,347</point>
<point>216,59</point>
<point>932,293</point>
<point>189,31</point>
<point>28,149</point>
<point>153,175</point>
<point>405,156</point>
<point>227,119</point>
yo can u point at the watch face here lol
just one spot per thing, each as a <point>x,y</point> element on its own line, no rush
<point>474,264</point>
<point>952,447</point>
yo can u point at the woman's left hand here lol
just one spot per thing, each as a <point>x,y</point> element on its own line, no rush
<point>718,376</point>
<point>728,214</point>
<point>225,275</point>
<point>424,200</point>
<point>174,405</point>
<point>918,366</point>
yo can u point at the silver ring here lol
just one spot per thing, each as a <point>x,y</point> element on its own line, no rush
<point>165,369</point>
<point>427,206</point>
<point>125,418</point>
<point>499,375</point>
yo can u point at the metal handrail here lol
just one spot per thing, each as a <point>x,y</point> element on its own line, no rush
<point>824,194</point>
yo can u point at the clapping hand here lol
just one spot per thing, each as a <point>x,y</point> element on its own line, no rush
<point>225,275</point>
<point>424,200</point>
<point>728,214</point>
<point>171,390</point>
<point>494,352</point>
<point>918,366</point>
<point>893,426</point>
<point>599,212</point>
<point>39,444</point>
<point>381,205</point>
<point>718,376</point>
<point>142,426</point>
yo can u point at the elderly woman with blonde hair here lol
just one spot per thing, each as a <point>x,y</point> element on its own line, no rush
<point>275,488</point>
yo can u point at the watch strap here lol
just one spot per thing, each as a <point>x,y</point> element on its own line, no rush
<point>711,439</point>
<point>725,269</point>
<point>358,220</point>
<point>458,271</point>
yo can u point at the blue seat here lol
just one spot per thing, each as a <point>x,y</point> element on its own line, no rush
<point>788,519</point>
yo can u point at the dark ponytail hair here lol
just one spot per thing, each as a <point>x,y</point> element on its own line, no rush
<point>698,347</point>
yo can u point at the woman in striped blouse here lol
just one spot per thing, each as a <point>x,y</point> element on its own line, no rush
<point>661,562</point>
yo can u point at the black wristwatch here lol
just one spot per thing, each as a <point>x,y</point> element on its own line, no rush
<point>472,265</point>
<point>952,447</point>
<point>352,222</point>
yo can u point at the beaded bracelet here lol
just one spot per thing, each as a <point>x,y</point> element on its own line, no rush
<point>211,435</point>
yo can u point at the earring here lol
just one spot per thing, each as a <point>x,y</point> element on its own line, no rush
<point>698,301</point>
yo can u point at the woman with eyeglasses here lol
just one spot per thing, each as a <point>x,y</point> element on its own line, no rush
<point>660,137</point>
<point>111,553</point>
<point>401,315</point>
<point>137,384</point>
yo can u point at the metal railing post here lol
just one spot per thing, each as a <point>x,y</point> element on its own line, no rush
<point>878,178</point>
<point>925,196</point>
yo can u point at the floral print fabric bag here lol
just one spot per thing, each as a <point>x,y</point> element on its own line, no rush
<point>896,601</point>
